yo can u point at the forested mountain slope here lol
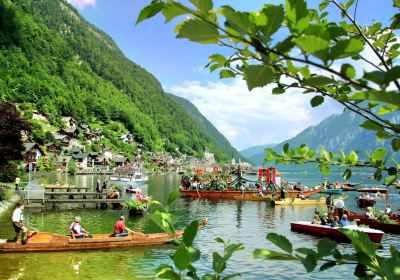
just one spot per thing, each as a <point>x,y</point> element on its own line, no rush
<point>218,139</point>
<point>54,60</point>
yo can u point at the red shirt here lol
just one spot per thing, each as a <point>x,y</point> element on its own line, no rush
<point>119,227</point>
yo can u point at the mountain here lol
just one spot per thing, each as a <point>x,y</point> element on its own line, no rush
<point>340,131</point>
<point>55,62</point>
<point>256,154</point>
<point>218,139</point>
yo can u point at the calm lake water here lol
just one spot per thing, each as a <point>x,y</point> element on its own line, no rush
<point>247,222</point>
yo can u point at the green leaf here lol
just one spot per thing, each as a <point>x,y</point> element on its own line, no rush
<point>327,265</point>
<point>318,81</point>
<point>306,251</point>
<point>232,248</point>
<point>378,154</point>
<point>389,97</point>
<point>225,73</point>
<point>220,240</point>
<point>392,170</point>
<point>199,31</point>
<point>361,242</point>
<point>389,180</point>
<point>278,90</point>
<point>313,45</point>
<point>325,247</point>
<point>204,6</point>
<point>181,258</point>
<point>258,76</point>
<point>275,15</point>
<point>272,255</point>
<point>347,174</point>
<point>323,5</point>
<point>310,262</point>
<point>375,76</point>
<point>353,157</point>
<point>392,74</point>
<point>317,100</point>
<point>190,233</point>
<point>149,11</point>
<point>396,144</point>
<point>280,241</point>
<point>231,276</point>
<point>167,272</point>
<point>386,109</point>
<point>370,125</point>
<point>325,170</point>
<point>346,48</point>
<point>194,254</point>
<point>172,196</point>
<point>238,21</point>
<point>208,277</point>
<point>295,11</point>
<point>348,70</point>
<point>174,9</point>
<point>219,263</point>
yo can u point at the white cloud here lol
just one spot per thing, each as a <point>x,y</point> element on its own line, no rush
<point>256,117</point>
<point>81,4</point>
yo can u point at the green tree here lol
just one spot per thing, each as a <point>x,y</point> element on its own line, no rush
<point>11,147</point>
<point>315,56</point>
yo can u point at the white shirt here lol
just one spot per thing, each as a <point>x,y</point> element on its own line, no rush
<point>77,228</point>
<point>339,204</point>
<point>17,215</point>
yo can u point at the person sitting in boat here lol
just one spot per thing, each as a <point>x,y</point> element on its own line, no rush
<point>325,221</point>
<point>77,231</point>
<point>260,190</point>
<point>301,196</point>
<point>120,229</point>
<point>388,209</point>
<point>113,194</point>
<point>369,213</point>
<point>343,222</point>
<point>335,222</point>
<point>339,206</point>
<point>305,188</point>
<point>316,220</point>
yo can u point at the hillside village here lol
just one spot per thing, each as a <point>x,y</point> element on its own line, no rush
<point>77,148</point>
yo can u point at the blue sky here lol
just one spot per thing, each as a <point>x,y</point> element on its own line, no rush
<point>245,118</point>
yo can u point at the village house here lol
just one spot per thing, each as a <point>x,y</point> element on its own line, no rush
<point>63,140</point>
<point>126,138</point>
<point>69,122</point>
<point>72,132</point>
<point>51,148</point>
<point>32,154</point>
<point>121,161</point>
<point>81,160</point>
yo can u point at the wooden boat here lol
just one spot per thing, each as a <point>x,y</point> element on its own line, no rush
<point>299,201</point>
<point>363,202</point>
<point>333,232</point>
<point>332,191</point>
<point>349,184</point>
<point>45,241</point>
<point>348,189</point>
<point>372,223</point>
<point>133,190</point>
<point>236,194</point>
<point>372,190</point>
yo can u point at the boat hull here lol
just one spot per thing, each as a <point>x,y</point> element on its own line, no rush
<point>332,191</point>
<point>42,242</point>
<point>333,232</point>
<point>298,201</point>
<point>362,202</point>
<point>372,190</point>
<point>246,195</point>
<point>393,228</point>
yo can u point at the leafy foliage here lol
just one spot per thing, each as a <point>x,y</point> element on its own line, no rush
<point>262,59</point>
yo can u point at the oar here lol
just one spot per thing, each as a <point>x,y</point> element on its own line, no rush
<point>30,227</point>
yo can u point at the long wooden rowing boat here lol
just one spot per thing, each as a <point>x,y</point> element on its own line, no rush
<point>45,241</point>
<point>372,223</point>
<point>332,191</point>
<point>334,232</point>
<point>237,194</point>
<point>373,190</point>
<point>298,201</point>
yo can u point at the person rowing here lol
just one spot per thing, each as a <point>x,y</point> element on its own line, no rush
<point>17,219</point>
<point>120,229</point>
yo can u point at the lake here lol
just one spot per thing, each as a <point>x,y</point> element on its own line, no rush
<point>247,222</point>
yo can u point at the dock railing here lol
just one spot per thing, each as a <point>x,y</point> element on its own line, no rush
<point>34,192</point>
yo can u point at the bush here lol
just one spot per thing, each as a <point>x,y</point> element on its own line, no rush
<point>5,193</point>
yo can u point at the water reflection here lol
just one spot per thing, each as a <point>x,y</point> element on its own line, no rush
<point>247,222</point>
